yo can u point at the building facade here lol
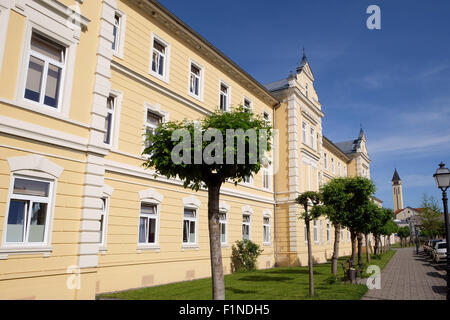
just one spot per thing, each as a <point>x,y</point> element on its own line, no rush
<point>81,82</point>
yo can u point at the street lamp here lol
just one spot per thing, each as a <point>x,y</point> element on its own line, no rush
<point>442,177</point>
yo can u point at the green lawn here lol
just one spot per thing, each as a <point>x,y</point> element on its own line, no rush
<point>284,283</point>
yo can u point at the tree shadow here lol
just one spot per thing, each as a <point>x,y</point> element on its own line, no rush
<point>442,290</point>
<point>236,290</point>
<point>292,272</point>
<point>436,275</point>
<point>264,278</point>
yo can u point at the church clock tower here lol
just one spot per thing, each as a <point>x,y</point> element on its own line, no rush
<point>397,191</point>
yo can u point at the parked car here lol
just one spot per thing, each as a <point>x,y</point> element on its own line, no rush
<point>432,245</point>
<point>439,251</point>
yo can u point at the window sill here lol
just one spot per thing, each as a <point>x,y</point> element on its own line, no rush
<point>17,250</point>
<point>155,248</point>
<point>198,98</point>
<point>267,244</point>
<point>190,247</point>
<point>159,77</point>
<point>224,246</point>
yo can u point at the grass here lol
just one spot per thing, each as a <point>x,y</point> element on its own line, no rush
<point>283,283</point>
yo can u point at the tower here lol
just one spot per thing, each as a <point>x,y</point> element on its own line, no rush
<point>397,191</point>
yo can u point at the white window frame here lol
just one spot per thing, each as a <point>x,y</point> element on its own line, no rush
<point>328,232</point>
<point>315,232</point>
<point>312,138</point>
<point>249,224</point>
<point>304,132</point>
<point>321,231</point>
<point>228,97</point>
<point>306,91</point>
<point>120,35</point>
<point>325,160</point>
<point>200,82</point>
<point>223,222</point>
<point>30,247</point>
<point>266,117</point>
<point>333,165</point>
<point>266,175</point>
<point>266,216</point>
<point>156,217</point>
<point>339,168</point>
<point>345,171</point>
<point>195,243</point>
<point>62,35</point>
<point>157,110</point>
<point>342,235</point>
<point>250,108</point>
<point>113,119</point>
<point>166,68</point>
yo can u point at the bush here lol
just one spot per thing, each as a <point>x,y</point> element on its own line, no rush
<point>244,255</point>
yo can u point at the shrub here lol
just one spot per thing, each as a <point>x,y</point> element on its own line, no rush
<point>244,255</point>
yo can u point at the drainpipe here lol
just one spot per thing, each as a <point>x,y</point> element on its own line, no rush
<point>274,185</point>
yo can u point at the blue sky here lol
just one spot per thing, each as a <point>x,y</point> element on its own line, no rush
<point>395,81</point>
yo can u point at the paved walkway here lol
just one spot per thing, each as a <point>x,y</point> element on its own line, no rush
<point>410,277</point>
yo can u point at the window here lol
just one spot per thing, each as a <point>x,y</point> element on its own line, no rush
<point>266,118</point>
<point>223,227</point>
<point>195,80</point>
<point>224,97</point>
<point>332,165</point>
<point>246,223</point>
<point>345,171</point>
<point>315,232</point>
<point>247,105</point>
<point>45,71</point>
<point>116,31</point>
<point>265,176</point>
<point>266,230</point>
<point>321,232</point>
<point>304,136</point>
<point>28,212</point>
<point>306,90</point>
<point>153,121</point>
<point>105,203</point>
<point>312,138</point>
<point>109,120</point>
<point>342,235</point>
<point>159,58</point>
<point>189,226</point>
<point>328,232</point>
<point>348,235</point>
<point>148,223</point>
<point>325,160</point>
<point>247,179</point>
<point>339,169</point>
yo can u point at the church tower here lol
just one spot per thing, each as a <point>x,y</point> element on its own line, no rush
<point>397,191</point>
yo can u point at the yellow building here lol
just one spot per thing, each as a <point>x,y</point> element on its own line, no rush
<point>80,83</point>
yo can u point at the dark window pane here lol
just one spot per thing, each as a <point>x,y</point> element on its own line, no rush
<point>16,218</point>
<point>37,222</point>
<point>31,187</point>
<point>151,230</point>
<point>52,86</point>
<point>185,230</point>
<point>142,229</point>
<point>34,79</point>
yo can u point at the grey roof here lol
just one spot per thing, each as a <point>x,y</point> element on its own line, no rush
<point>348,147</point>
<point>396,177</point>
<point>302,64</point>
<point>277,85</point>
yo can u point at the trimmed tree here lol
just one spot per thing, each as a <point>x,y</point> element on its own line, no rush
<point>195,152</point>
<point>307,199</point>
<point>431,216</point>
<point>334,198</point>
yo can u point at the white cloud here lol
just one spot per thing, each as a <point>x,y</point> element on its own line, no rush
<point>410,143</point>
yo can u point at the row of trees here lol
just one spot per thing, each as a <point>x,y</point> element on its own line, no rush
<point>347,203</point>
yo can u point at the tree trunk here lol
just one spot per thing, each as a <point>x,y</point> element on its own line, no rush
<point>215,249</point>
<point>337,237</point>
<point>353,237</point>
<point>360,244</point>
<point>375,249</point>
<point>310,261</point>
<point>367,249</point>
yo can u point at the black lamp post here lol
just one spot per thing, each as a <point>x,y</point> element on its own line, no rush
<point>442,177</point>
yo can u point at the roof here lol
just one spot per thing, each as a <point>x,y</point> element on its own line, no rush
<point>348,147</point>
<point>277,85</point>
<point>396,177</point>
<point>400,210</point>
<point>302,63</point>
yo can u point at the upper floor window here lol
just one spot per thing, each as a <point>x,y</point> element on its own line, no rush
<point>45,71</point>
<point>306,90</point>
<point>224,97</point>
<point>28,213</point>
<point>339,169</point>
<point>266,118</point>
<point>152,122</point>
<point>266,180</point>
<point>345,171</point>
<point>332,165</point>
<point>304,133</point>
<point>312,141</point>
<point>109,120</point>
<point>246,223</point>
<point>328,232</point>
<point>116,31</point>
<point>325,160</point>
<point>160,55</point>
<point>148,220</point>
<point>247,105</point>
<point>195,80</point>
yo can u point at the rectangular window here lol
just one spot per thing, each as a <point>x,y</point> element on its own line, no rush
<point>325,160</point>
<point>152,122</point>
<point>312,140</point>
<point>28,211</point>
<point>246,222</point>
<point>342,235</point>
<point>148,220</point>
<point>247,105</point>
<point>195,80</point>
<point>45,71</point>
<point>189,226</point>
<point>345,171</point>
<point>247,179</point>
<point>316,235</point>
<point>321,232</point>
<point>328,232</point>
<point>304,136</point>
<point>224,97</point>
<point>265,176</point>
<point>116,31</point>
<point>339,169</point>
<point>102,232</point>
<point>332,165</point>
<point>159,58</point>
<point>223,227</point>
<point>109,120</point>
<point>266,229</point>
<point>266,118</point>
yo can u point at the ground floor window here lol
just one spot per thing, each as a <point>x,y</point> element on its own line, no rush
<point>189,226</point>
<point>246,222</point>
<point>148,223</point>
